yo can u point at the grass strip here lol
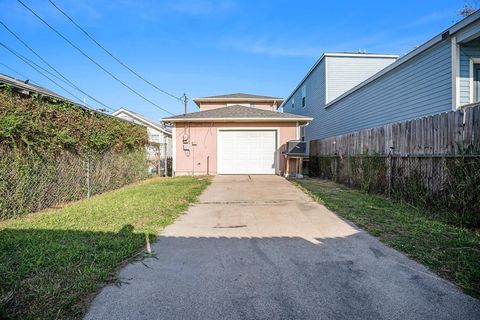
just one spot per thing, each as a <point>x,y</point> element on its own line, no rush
<point>450,251</point>
<point>53,262</point>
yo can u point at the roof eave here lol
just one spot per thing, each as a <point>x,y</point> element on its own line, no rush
<point>337,54</point>
<point>424,47</point>
<point>145,121</point>
<point>302,119</point>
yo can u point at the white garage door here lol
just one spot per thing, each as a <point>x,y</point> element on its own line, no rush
<point>246,152</point>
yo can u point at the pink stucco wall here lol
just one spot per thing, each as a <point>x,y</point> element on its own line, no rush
<point>221,104</point>
<point>204,135</point>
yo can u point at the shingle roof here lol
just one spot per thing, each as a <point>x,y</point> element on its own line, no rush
<point>237,112</point>
<point>240,96</point>
<point>28,86</point>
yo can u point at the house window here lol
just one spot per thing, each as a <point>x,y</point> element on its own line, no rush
<point>152,151</point>
<point>304,93</point>
<point>476,82</point>
<point>302,133</point>
<point>293,103</point>
<point>154,138</point>
<point>252,105</point>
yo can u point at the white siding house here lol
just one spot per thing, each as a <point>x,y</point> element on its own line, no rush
<point>159,137</point>
<point>351,92</point>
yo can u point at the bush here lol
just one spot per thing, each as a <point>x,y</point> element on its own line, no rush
<point>46,147</point>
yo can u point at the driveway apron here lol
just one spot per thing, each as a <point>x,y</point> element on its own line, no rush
<point>256,247</point>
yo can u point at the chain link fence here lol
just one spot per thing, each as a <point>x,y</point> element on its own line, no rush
<point>31,183</point>
<point>449,184</point>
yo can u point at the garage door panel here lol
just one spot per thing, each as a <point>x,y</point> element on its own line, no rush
<point>246,151</point>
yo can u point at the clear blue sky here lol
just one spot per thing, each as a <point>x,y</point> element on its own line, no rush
<point>206,47</point>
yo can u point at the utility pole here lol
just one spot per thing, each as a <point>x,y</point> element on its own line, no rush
<point>185,102</point>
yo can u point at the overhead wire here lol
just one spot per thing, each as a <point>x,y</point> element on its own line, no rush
<point>52,67</point>
<point>91,59</point>
<point>111,54</point>
<point>22,57</point>
<point>17,72</point>
<point>36,69</point>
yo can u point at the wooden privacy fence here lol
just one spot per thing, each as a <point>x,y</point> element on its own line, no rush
<point>433,160</point>
<point>437,134</point>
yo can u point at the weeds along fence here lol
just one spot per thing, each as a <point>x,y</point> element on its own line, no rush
<point>29,182</point>
<point>432,161</point>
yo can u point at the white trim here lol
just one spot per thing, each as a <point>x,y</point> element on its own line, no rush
<point>199,101</point>
<point>174,150</point>
<point>142,119</point>
<point>427,45</point>
<point>455,56</point>
<point>306,119</point>
<point>276,129</point>
<point>326,80</point>
<point>236,99</point>
<point>338,54</point>
<point>471,77</point>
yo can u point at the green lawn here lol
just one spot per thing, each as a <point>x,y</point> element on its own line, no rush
<point>53,262</point>
<point>451,252</point>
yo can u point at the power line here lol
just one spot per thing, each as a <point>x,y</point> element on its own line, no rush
<point>43,74</point>
<point>111,54</point>
<point>51,67</point>
<point>15,71</point>
<point>91,59</point>
<point>37,65</point>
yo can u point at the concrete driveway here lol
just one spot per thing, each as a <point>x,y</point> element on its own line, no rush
<point>258,248</point>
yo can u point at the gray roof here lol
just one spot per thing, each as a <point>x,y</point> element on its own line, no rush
<point>28,88</point>
<point>240,96</point>
<point>20,84</point>
<point>237,112</point>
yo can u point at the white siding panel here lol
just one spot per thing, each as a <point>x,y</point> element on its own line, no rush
<point>467,51</point>
<point>419,87</point>
<point>344,73</point>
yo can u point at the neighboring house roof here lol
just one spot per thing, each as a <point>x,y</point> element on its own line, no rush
<point>240,96</point>
<point>237,113</point>
<point>337,54</point>
<point>237,97</point>
<point>28,87</point>
<point>420,49</point>
<point>143,120</point>
<point>446,34</point>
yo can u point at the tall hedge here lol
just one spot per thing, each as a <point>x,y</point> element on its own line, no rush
<point>46,126</point>
<point>47,145</point>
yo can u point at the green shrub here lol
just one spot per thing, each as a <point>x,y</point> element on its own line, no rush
<point>46,144</point>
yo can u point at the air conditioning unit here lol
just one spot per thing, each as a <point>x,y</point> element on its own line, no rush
<point>296,148</point>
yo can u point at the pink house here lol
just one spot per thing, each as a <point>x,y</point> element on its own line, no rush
<point>234,134</point>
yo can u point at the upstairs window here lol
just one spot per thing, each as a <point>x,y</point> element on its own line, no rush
<point>304,93</point>
<point>154,138</point>
<point>302,133</point>
<point>293,103</point>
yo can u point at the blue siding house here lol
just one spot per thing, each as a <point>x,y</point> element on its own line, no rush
<point>347,92</point>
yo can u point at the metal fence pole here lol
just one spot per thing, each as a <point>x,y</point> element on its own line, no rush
<point>88,177</point>
<point>165,161</point>
<point>390,174</point>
